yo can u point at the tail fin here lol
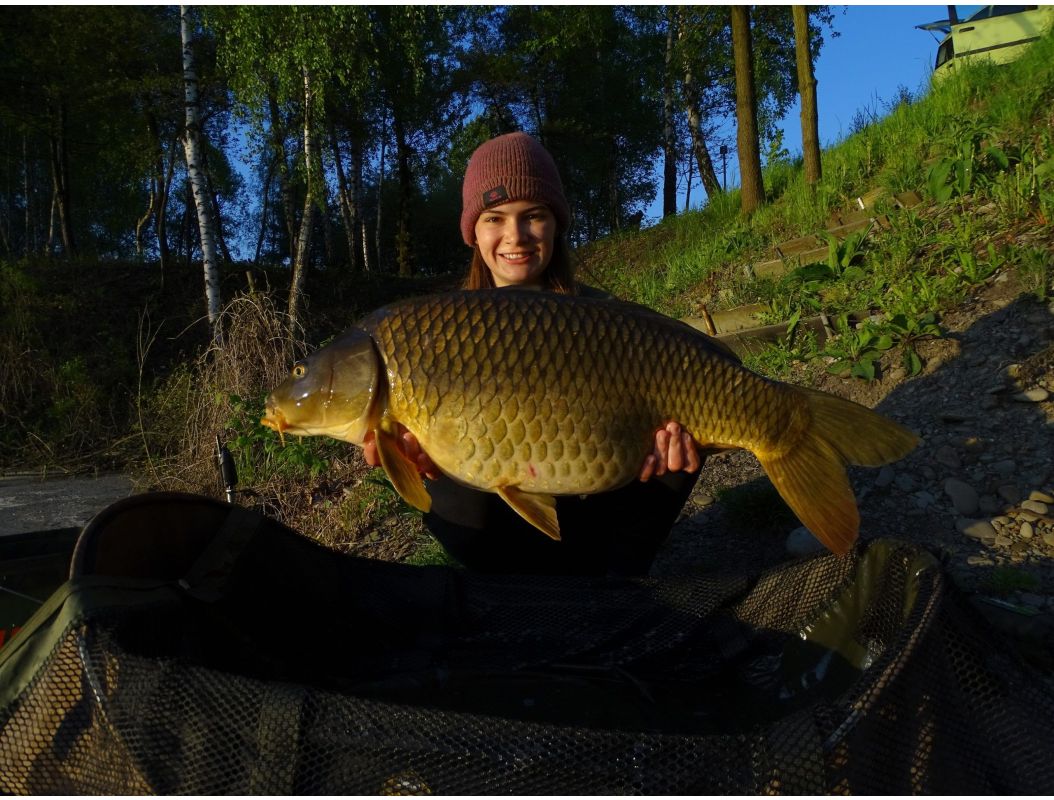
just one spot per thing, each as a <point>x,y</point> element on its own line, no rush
<point>811,476</point>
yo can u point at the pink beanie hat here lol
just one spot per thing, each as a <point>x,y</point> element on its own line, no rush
<point>511,167</point>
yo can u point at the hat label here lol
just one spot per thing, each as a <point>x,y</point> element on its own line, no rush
<point>491,197</point>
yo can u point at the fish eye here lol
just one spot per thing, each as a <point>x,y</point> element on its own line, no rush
<point>299,370</point>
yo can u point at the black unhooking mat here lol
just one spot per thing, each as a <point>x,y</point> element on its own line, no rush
<point>201,648</point>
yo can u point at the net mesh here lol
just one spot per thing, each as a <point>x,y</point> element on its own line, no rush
<point>290,669</point>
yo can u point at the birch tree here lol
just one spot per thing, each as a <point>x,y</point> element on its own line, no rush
<point>192,146</point>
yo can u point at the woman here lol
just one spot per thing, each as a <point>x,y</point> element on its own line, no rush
<point>514,218</point>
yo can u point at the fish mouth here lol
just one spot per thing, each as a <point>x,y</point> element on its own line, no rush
<point>275,420</point>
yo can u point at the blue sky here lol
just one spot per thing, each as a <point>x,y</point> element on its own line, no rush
<point>878,50</point>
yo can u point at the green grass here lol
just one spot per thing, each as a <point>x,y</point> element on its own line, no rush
<point>982,139</point>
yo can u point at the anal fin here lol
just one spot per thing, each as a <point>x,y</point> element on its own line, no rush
<point>537,509</point>
<point>402,472</point>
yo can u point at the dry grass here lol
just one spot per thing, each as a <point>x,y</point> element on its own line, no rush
<point>318,487</point>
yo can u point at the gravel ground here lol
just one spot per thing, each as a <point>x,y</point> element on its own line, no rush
<point>978,490</point>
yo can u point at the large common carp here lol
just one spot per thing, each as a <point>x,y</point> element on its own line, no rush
<point>531,395</point>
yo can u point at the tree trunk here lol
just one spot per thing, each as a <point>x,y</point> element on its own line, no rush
<point>193,150</point>
<point>380,192</point>
<point>347,209</point>
<point>707,175</point>
<point>264,203</point>
<point>669,174</point>
<point>403,251</point>
<point>60,175</point>
<point>361,260</point>
<point>810,136</point>
<point>303,239</point>
<point>164,178</point>
<point>285,187</point>
<point>752,188</point>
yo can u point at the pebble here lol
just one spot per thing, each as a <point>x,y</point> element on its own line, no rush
<point>801,542</point>
<point>976,528</point>
<point>1035,506</point>
<point>964,498</point>
<point>1005,468</point>
<point>703,500</point>
<point>1010,493</point>
<point>1025,531</point>
<point>1036,395</point>
<point>1048,539</point>
<point>989,505</point>
<point>904,482</point>
<point>1040,497</point>
<point>948,456</point>
<point>1003,541</point>
<point>924,499</point>
<point>979,561</point>
<point>885,476</point>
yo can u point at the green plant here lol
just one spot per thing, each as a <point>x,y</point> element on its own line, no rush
<point>1036,270</point>
<point>907,332</point>
<point>969,162</point>
<point>260,453</point>
<point>856,350</point>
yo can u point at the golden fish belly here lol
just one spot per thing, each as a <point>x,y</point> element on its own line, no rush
<point>560,396</point>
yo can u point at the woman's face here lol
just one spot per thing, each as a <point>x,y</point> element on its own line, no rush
<point>516,241</point>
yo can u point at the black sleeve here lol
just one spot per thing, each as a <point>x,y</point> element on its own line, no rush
<point>618,532</point>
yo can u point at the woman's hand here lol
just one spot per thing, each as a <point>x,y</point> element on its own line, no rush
<point>675,450</point>
<point>411,449</point>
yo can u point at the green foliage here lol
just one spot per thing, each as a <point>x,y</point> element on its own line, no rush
<point>259,453</point>
<point>856,350</point>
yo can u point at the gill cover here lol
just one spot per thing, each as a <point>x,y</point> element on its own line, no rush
<point>333,392</point>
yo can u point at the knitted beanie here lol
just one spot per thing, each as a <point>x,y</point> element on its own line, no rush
<point>507,168</point>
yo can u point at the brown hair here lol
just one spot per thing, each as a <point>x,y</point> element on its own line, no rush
<point>558,276</point>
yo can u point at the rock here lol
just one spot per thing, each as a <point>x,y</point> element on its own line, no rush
<point>1010,493</point>
<point>801,542</point>
<point>924,499</point>
<point>1025,531</point>
<point>964,498</point>
<point>948,456</point>
<point>703,500</point>
<point>904,482</point>
<point>976,529</point>
<point>885,477</point>
<point>954,415</point>
<point>1040,497</point>
<point>1003,541</point>
<point>896,375</point>
<point>1035,506</point>
<point>989,504</point>
<point>1005,468</point>
<point>979,561</point>
<point>1048,539</point>
<point>1034,395</point>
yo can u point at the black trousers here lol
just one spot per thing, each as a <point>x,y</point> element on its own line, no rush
<point>613,533</point>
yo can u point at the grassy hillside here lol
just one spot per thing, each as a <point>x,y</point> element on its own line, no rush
<point>102,368</point>
<point>980,145</point>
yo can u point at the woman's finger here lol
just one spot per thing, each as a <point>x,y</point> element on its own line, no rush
<point>675,451</point>
<point>662,447</point>
<point>648,469</point>
<point>691,453</point>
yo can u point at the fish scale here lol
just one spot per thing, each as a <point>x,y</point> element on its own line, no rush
<point>587,355</point>
<point>532,395</point>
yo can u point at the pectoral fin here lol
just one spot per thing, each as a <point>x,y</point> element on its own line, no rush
<point>537,509</point>
<point>402,472</point>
